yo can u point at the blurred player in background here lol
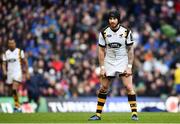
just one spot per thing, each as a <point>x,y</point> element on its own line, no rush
<point>13,60</point>
<point>116,54</point>
<point>33,85</point>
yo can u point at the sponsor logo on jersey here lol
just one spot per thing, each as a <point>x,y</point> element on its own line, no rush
<point>11,60</point>
<point>114,45</point>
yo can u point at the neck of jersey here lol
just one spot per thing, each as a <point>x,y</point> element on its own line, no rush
<point>116,28</point>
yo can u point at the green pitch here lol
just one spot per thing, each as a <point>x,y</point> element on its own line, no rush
<point>123,118</point>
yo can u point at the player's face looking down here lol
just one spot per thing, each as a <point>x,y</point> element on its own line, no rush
<point>11,44</point>
<point>113,22</point>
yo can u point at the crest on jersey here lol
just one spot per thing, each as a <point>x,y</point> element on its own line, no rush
<point>121,35</point>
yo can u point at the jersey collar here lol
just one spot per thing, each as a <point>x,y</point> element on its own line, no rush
<point>115,30</point>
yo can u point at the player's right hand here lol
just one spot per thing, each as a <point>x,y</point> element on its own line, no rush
<point>102,71</point>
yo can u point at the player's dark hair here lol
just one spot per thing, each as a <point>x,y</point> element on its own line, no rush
<point>114,14</point>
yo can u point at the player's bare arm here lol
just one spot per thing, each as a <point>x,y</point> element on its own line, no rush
<point>130,50</point>
<point>25,62</point>
<point>4,70</point>
<point>101,56</point>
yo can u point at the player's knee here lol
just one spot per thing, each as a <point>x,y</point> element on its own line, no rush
<point>104,89</point>
<point>15,86</point>
<point>129,87</point>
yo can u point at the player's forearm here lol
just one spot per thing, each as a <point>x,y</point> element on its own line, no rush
<point>101,56</point>
<point>4,68</point>
<point>130,54</point>
<point>26,65</point>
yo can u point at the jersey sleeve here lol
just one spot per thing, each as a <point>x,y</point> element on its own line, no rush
<point>4,57</point>
<point>101,40</point>
<point>22,54</point>
<point>129,40</point>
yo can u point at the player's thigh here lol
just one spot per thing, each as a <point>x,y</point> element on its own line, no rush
<point>17,79</point>
<point>127,81</point>
<point>15,84</point>
<point>105,82</point>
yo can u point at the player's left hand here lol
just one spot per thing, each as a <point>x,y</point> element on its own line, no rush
<point>128,72</point>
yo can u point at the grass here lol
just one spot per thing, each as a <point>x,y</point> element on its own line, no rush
<point>82,118</point>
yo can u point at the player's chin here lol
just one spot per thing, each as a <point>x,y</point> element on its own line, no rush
<point>113,25</point>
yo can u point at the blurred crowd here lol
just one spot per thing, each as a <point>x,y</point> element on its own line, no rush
<point>60,39</point>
